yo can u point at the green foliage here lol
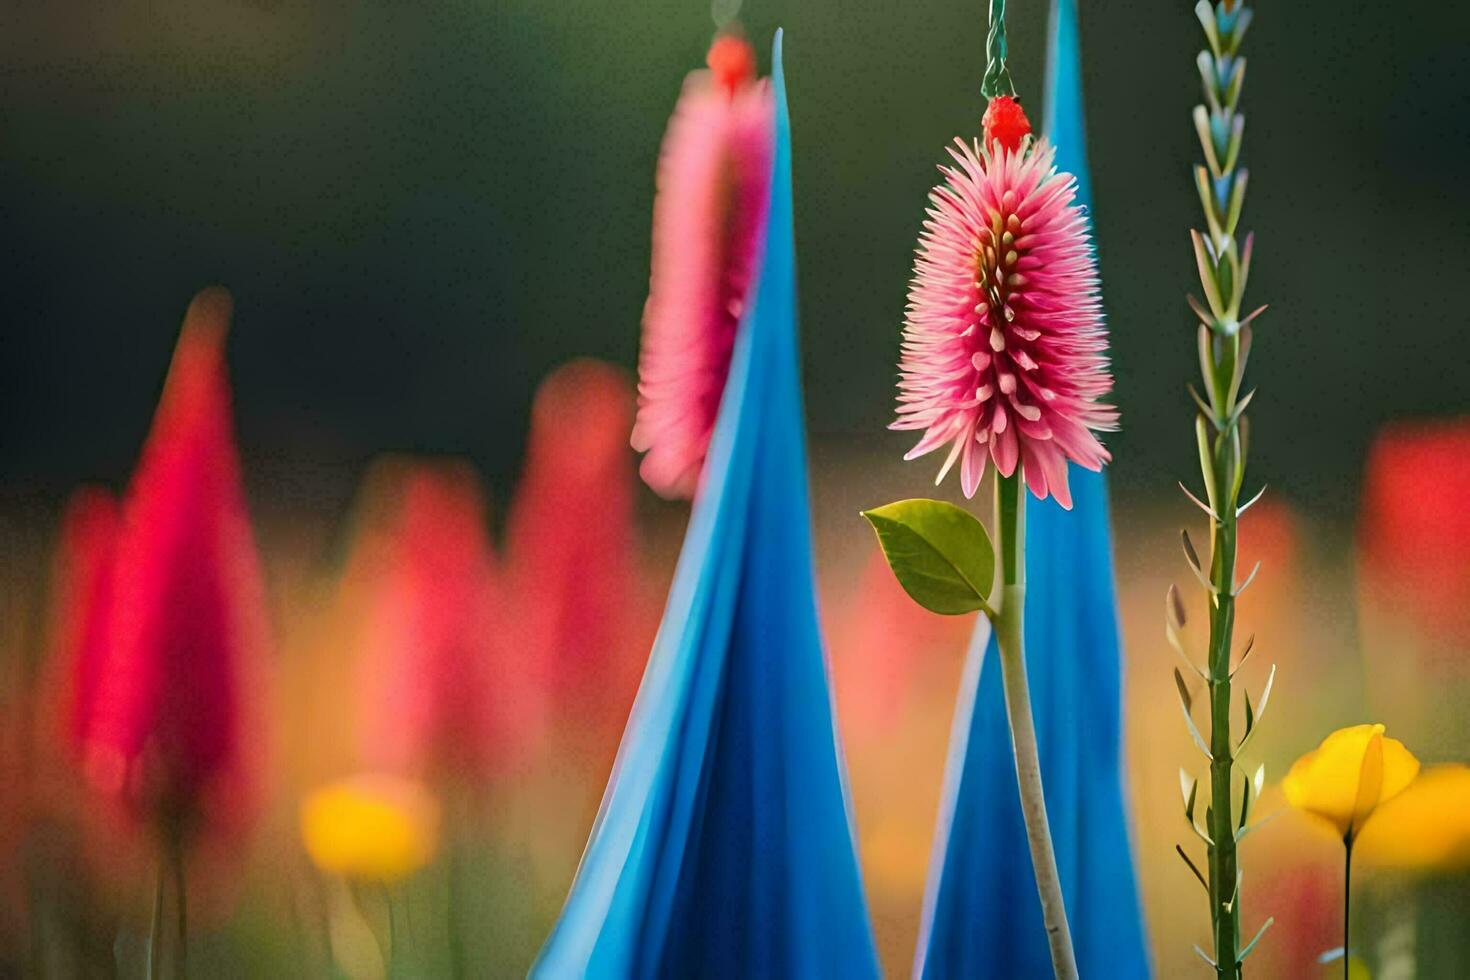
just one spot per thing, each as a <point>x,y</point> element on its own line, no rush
<point>940,553</point>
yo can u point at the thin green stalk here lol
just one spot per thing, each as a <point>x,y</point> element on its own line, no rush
<point>1224,343</point>
<point>155,929</point>
<point>1347,906</point>
<point>181,898</point>
<point>1010,503</point>
<point>1224,872</point>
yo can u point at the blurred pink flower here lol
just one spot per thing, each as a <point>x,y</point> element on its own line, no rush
<point>710,206</point>
<point>1004,350</point>
<point>165,721</point>
<point>439,700</point>
<point>584,614</point>
<point>882,644</point>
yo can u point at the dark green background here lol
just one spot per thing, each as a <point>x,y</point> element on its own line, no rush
<point>423,206</point>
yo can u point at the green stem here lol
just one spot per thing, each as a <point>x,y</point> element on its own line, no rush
<point>1010,638</point>
<point>997,80</point>
<point>181,898</point>
<point>155,929</point>
<point>1347,906</point>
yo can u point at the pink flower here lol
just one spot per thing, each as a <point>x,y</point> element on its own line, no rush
<point>167,727</point>
<point>1004,351</point>
<point>710,206</point>
<point>585,616</point>
<point>440,699</point>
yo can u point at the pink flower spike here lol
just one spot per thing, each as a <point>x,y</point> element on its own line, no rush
<point>1004,349</point>
<point>709,210</point>
<point>169,725</point>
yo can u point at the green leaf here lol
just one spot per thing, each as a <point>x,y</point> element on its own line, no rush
<point>940,553</point>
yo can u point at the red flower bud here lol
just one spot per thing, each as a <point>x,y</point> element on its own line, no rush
<point>1005,122</point>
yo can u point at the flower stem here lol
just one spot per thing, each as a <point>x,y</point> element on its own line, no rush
<point>1010,505</point>
<point>1347,906</point>
<point>181,898</point>
<point>155,929</point>
<point>1224,870</point>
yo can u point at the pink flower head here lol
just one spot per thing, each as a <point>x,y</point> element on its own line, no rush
<point>167,727</point>
<point>709,210</point>
<point>1004,351</point>
<point>435,692</point>
<point>584,615</point>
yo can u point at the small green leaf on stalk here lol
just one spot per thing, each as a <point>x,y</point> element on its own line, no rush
<point>1204,956</point>
<point>1205,319</point>
<point>1245,801</point>
<point>1234,85</point>
<point>1237,134</point>
<point>1242,356</point>
<point>1248,579</point>
<point>940,553</point>
<point>1237,200</point>
<point>1194,731</point>
<point>1185,698</point>
<point>1208,80</point>
<point>1204,408</point>
<point>1198,502</point>
<point>1175,608</point>
<point>1242,21</point>
<point>1189,551</point>
<point>1250,646</point>
<point>1188,791</point>
<point>1251,718</point>
<point>1206,15</point>
<point>1241,406</point>
<point>1254,313</point>
<point>1252,944</point>
<point>1237,453</point>
<point>1206,464</point>
<point>1207,202</point>
<point>1206,264</point>
<point>1245,259</point>
<point>1251,502</point>
<point>1266,692</point>
<point>1179,849</point>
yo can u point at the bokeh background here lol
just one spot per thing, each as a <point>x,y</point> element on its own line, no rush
<point>423,209</point>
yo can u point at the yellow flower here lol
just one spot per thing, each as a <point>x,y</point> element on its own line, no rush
<point>375,828</point>
<point>1345,778</point>
<point>1426,827</point>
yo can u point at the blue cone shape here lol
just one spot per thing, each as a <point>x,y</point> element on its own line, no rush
<point>981,913</point>
<point>724,847</point>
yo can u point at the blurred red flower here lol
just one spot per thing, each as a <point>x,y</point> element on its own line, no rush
<point>585,616</point>
<point>439,701</point>
<point>163,704</point>
<point>1414,532</point>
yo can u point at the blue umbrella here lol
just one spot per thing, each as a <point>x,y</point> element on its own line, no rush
<point>724,845</point>
<point>981,914</point>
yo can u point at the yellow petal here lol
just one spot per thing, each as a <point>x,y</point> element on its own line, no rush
<point>370,827</point>
<point>1426,827</point>
<point>1345,778</point>
<point>1399,769</point>
<point>1370,779</point>
<point>1324,782</point>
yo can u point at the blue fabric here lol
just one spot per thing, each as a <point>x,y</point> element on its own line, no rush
<point>981,913</point>
<point>724,845</point>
